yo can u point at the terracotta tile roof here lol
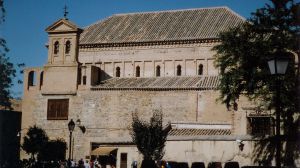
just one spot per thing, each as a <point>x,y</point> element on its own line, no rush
<point>133,83</point>
<point>191,24</point>
<point>198,132</point>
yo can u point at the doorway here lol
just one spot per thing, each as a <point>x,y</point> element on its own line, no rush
<point>123,163</point>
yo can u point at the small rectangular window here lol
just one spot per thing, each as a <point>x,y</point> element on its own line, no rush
<point>58,109</point>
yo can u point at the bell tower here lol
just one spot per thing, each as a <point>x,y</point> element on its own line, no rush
<point>63,43</point>
<point>61,69</point>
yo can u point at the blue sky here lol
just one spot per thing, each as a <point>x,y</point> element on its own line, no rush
<point>26,20</point>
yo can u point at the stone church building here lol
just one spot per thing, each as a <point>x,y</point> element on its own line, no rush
<point>141,62</point>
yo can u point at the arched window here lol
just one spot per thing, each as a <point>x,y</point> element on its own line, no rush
<point>137,71</point>
<point>157,71</point>
<point>178,70</point>
<point>31,78</point>
<point>68,47</point>
<point>41,78</point>
<point>118,72</point>
<point>200,69</point>
<point>56,47</point>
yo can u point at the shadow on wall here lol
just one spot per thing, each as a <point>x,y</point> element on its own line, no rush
<point>265,149</point>
<point>97,75</point>
<point>104,76</point>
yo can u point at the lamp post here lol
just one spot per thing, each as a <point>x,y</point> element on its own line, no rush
<point>71,126</point>
<point>277,67</point>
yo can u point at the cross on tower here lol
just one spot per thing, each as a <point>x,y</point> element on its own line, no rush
<point>65,12</point>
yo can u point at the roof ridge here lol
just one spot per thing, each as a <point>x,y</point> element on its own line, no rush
<point>232,11</point>
<point>171,10</point>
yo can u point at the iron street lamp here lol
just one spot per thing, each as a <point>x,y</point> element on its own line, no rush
<point>277,67</point>
<point>71,126</point>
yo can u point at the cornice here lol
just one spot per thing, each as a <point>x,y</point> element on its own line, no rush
<point>154,89</point>
<point>155,44</point>
<point>52,28</point>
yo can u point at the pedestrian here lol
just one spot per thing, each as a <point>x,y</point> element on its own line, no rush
<point>73,163</point>
<point>86,164</point>
<point>163,164</point>
<point>62,164</point>
<point>91,164</point>
<point>81,163</point>
<point>168,165</point>
<point>96,164</point>
<point>134,164</point>
<point>69,163</point>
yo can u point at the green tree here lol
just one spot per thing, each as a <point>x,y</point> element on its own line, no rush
<point>149,137</point>
<point>53,150</point>
<point>34,141</point>
<point>7,68</point>
<point>242,59</point>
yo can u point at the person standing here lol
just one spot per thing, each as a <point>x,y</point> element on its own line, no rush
<point>86,164</point>
<point>81,163</point>
<point>168,165</point>
<point>92,164</point>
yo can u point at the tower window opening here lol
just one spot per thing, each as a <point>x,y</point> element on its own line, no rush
<point>56,47</point>
<point>68,47</point>
<point>31,78</point>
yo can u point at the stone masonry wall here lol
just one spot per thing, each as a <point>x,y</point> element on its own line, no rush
<point>107,115</point>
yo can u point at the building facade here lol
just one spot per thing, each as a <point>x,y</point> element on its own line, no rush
<point>141,62</point>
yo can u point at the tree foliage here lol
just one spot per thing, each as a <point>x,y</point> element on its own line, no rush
<point>7,73</point>
<point>2,11</point>
<point>242,59</point>
<point>150,137</point>
<point>37,143</point>
<point>7,68</point>
<point>53,150</point>
<point>34,141</point>
<point>243,53</point>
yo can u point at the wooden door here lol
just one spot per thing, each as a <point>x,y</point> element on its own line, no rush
<point>123,160</point>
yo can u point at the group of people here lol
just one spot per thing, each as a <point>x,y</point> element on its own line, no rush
<point>82,164</point>
<point>163,164</point>
<point>157,164</point>
<point>95,164</point>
